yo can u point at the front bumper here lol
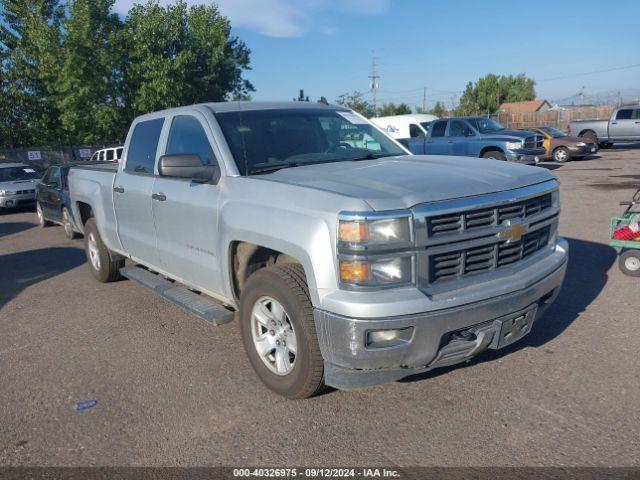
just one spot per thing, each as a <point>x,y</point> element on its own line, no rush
<point>526,157</point>
<point>575,151</point>
<point>12,201</point>
<point>439,338</point>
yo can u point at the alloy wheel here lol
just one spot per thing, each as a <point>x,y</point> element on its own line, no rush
<point>274,337</point>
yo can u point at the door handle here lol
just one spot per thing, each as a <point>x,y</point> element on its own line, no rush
<point>161,197</point>
<point>614,123</point>
<point>450,141</point>
<point>637,122</point>
<point>118,189</point>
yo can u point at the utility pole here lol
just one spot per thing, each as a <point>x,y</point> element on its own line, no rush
<point>374,83</point>
<point>582,95</point>
<point>618,101</point>
<point>424,99</point>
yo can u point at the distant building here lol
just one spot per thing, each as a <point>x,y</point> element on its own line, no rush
<point>530,106</point>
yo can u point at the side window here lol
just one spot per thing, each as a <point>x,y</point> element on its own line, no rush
<point>55,177</point>
<point>188,136</point>
<point>637,114</point>
<point>625,114</point>
<point>118,153</point>
<point>94,157</point>
<point>415,131</point>
<point>101,156</point>
<point>110,155</point>
<point>438,128</point>
<point>141,156</point>
<point>458,128</point>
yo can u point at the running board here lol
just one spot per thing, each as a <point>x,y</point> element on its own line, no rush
<point>199,305</point>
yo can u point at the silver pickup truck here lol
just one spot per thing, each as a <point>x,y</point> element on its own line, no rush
<point>623,126</point>
<point>348,261</point>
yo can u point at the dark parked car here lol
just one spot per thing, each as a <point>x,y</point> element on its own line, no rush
<point>53,201</point>
<point>562,147</point>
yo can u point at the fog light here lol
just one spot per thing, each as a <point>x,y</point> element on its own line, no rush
<point>388,338</point>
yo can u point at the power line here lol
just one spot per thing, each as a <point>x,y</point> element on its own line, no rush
<point>593,72</point>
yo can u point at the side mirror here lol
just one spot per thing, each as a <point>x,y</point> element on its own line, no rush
<point>188,166</point>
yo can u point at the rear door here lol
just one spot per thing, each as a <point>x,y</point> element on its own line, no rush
<point>437,143</point>
<point>186,212</point>
<point>133,187</point>
<point>49,194</point>
<point>624,126</point>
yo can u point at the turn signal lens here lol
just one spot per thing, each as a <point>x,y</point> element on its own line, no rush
<point>353,232</point>
<point>354,272</point>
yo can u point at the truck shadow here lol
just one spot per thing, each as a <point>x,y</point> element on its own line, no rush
<point>9,228</point>
<point>24,269</point>
<point>586,277</point>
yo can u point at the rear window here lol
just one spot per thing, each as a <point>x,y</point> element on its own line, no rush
<point>110,156</point>
<point>143,146</point>
<point>438,128</point>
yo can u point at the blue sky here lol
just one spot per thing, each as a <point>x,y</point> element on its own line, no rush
<point>325,46</point>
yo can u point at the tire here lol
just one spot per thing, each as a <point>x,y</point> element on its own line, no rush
<point>494,155</point>
<point>67,224</point>
<point>561,155</point>
<point>591,135</point>
<point>629,262</point>
<point>42,221</point>
<point>302,373</point>
<point>103,268</point>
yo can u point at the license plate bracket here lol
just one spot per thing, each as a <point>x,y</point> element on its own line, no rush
<point>510,330</point>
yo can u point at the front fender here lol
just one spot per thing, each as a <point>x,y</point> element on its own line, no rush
<point>307,238</point>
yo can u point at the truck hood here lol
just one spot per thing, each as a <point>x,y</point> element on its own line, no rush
<point>509,135</point>
<point>15,185</point>
<point>401,182</point>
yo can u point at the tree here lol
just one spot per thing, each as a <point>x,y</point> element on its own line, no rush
<point>491,91</point>
<point>90,82</point>
<point>355,101</point>
<point>179,55</point>
<point>391,108</point>
<point>438,110</point>
<point>30,41</point>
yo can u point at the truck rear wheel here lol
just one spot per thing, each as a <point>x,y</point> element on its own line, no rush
<point>591,135</point>
<point>279,333</point>
<point>100,263</point>
<point>494,155</point>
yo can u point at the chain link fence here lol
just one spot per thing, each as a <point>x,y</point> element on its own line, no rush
<point>553,118</point>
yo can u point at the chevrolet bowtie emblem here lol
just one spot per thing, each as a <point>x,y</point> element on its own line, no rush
<point>513,232</point>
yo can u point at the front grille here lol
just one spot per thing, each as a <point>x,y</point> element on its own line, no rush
<point>470,261</point>
<point>536,141</point>
<point>25,192</point>
<point>460,222</point>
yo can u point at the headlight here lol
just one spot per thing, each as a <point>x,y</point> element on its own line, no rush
<point>3,193</point>
<point>514,145</point>
<point>555,198</point>
<point>376,272</point>
<point>362,234</point>
<point>581,144</point>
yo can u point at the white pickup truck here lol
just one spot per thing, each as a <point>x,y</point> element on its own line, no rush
<point>346,265</point>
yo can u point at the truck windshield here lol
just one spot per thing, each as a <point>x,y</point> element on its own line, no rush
<point>267,140</point>
<point>555,133</point>
<point>485,125</point>
<point>9,174</point>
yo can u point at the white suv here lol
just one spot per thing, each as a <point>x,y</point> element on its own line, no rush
<point>107,155</point>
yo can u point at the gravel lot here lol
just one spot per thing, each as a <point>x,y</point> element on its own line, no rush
<point>172,390</point>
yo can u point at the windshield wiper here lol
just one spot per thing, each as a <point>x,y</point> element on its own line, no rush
<point>369,156</point>
<point>274,168</point>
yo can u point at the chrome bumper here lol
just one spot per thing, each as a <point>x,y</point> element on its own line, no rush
<point>434,342</point>
<point>12,201</point>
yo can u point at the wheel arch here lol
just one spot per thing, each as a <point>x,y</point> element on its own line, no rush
<point>491,149</point>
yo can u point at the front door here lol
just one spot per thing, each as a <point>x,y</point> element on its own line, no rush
<point>625,126</point>
<point>459,136</point>
<point>186,212</point>
<point>132,191</point>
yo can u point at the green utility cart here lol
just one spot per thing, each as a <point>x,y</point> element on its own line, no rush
<point>629,258</point>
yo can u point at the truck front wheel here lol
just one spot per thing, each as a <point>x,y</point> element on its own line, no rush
<point>278,331</point>
<point>494,155</point>
<point>100,263</point>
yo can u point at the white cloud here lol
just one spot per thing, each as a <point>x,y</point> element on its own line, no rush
<point>282,18</point>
